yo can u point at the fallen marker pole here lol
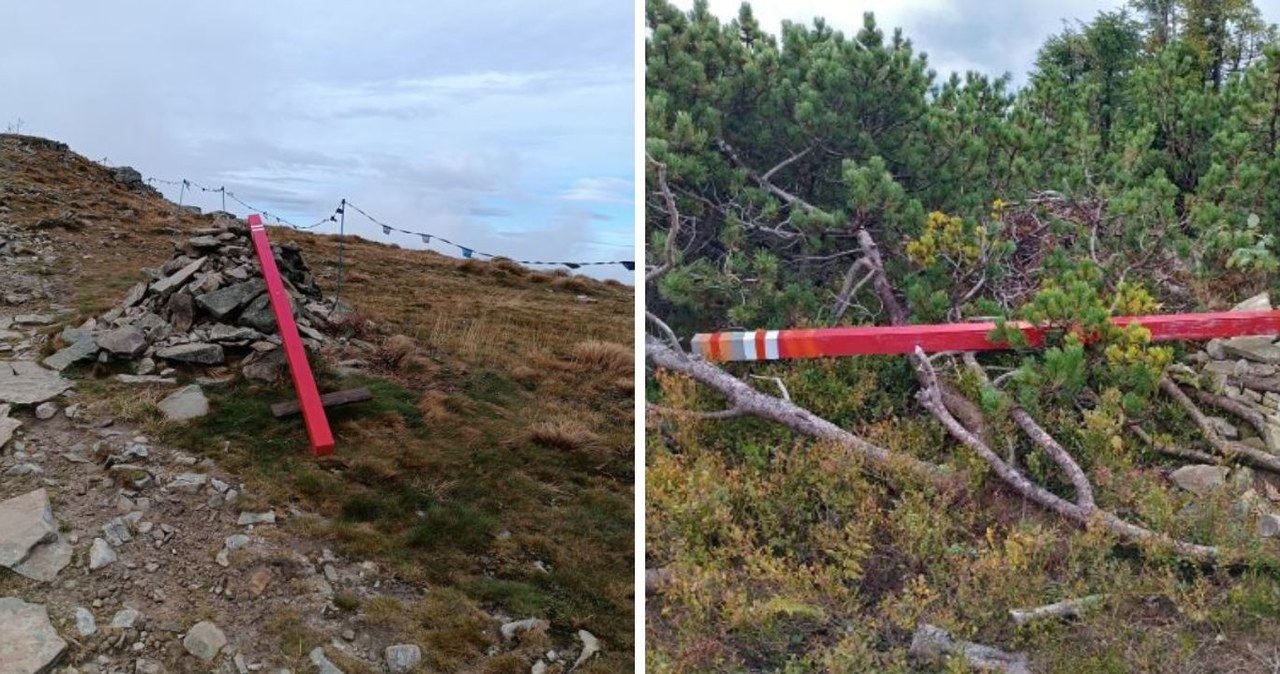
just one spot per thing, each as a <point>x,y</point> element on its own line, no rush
<point>903,339</point>
<point>299,368</point>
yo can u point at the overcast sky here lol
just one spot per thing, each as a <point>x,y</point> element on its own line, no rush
<point>505,126</point>
<point>958,35</point>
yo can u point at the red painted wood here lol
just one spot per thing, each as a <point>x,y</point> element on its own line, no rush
<point>878,340</point>
<point>304,383</point>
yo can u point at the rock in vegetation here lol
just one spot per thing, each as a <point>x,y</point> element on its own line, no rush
<point>323,666</point>
<point>204,640</point>
<point>268,517</point>
<point>185,404</point>
<point>1200,479</point>
<point>590,646</point>
<point>402,658</point>
<point>28,642</point>
<point>511,629</point>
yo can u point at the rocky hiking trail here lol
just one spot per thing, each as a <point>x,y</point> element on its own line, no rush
<point>124,554</point>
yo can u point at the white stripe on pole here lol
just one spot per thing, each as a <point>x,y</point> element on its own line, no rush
<point>771,345</point>
<point>748,345</point>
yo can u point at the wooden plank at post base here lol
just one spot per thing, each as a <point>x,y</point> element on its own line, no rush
<point>304,383</point>
<point>334,399</point>
<point>903,339</point>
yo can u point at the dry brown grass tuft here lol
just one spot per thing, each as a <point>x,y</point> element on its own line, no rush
<point>606,358</point>
<point>566,434</point>
<point>575,284</point>
<point>433,408</point>
<point>396,347</point>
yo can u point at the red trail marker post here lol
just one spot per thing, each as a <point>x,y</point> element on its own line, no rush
<point>903,339</point>
<point>299,368</point>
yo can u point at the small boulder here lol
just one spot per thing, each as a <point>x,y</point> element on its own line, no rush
<point>46,411</point>
<point>402,658</point>
<point>204,640</point>
<point>100,554</point>
<point>185,404</point>
<point>1200,479</point>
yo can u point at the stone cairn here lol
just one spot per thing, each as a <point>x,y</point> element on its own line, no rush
<point>206,306</point>
<point>1246,370</point>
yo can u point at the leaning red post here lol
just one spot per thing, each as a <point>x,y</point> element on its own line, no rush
<point>303,382</point>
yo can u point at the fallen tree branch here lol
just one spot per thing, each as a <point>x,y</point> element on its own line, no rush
<point>1170,450</point>
<point>1250,415</point>
<point>931,643</point>
<point>1038,435</point>
<point>1067,608</point>
<point>1231,450</point>
<point>753,402</point>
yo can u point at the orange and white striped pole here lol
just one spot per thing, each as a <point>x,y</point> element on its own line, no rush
<point>903,339</point>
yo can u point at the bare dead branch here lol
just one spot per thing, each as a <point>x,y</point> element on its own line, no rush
<point>1067,608</point>
<point>1038,435</point>
<point>1250,415</point>
<point>1231,450</point>
<point>666,330</point>
<point>673,222</point>
<point>786,395</point>
<point>1170,450</point>
<point>787,162</point>
<point>755,403</point>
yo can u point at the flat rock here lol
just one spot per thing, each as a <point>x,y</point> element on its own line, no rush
<point>1200,479</point>
<point>26,383</point>
<point>125,341</point>
<point>185,404</point>
<point>268,517</point>
<point>135,295</point>
<point>221,303</point>
<point>402,658</point>
<point>196,352</point>
<point>28,642</point>
<point>34,319</point>
<point>1259,302</point>
<point>46,560</point>
<point>25,522</point>
<point>100,554</point>
<point>1255,349</point>
<point>323,665</point>
<point>204,640</point>
<point>177,278</point>
<point>188,482</point>
<point>84,349</point>
<point>145,379</point>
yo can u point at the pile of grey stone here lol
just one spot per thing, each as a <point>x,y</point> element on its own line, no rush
<point>1247,370</point>
<point>206,306</point>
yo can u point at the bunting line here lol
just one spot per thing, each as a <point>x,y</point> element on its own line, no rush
<point>427,238</point>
